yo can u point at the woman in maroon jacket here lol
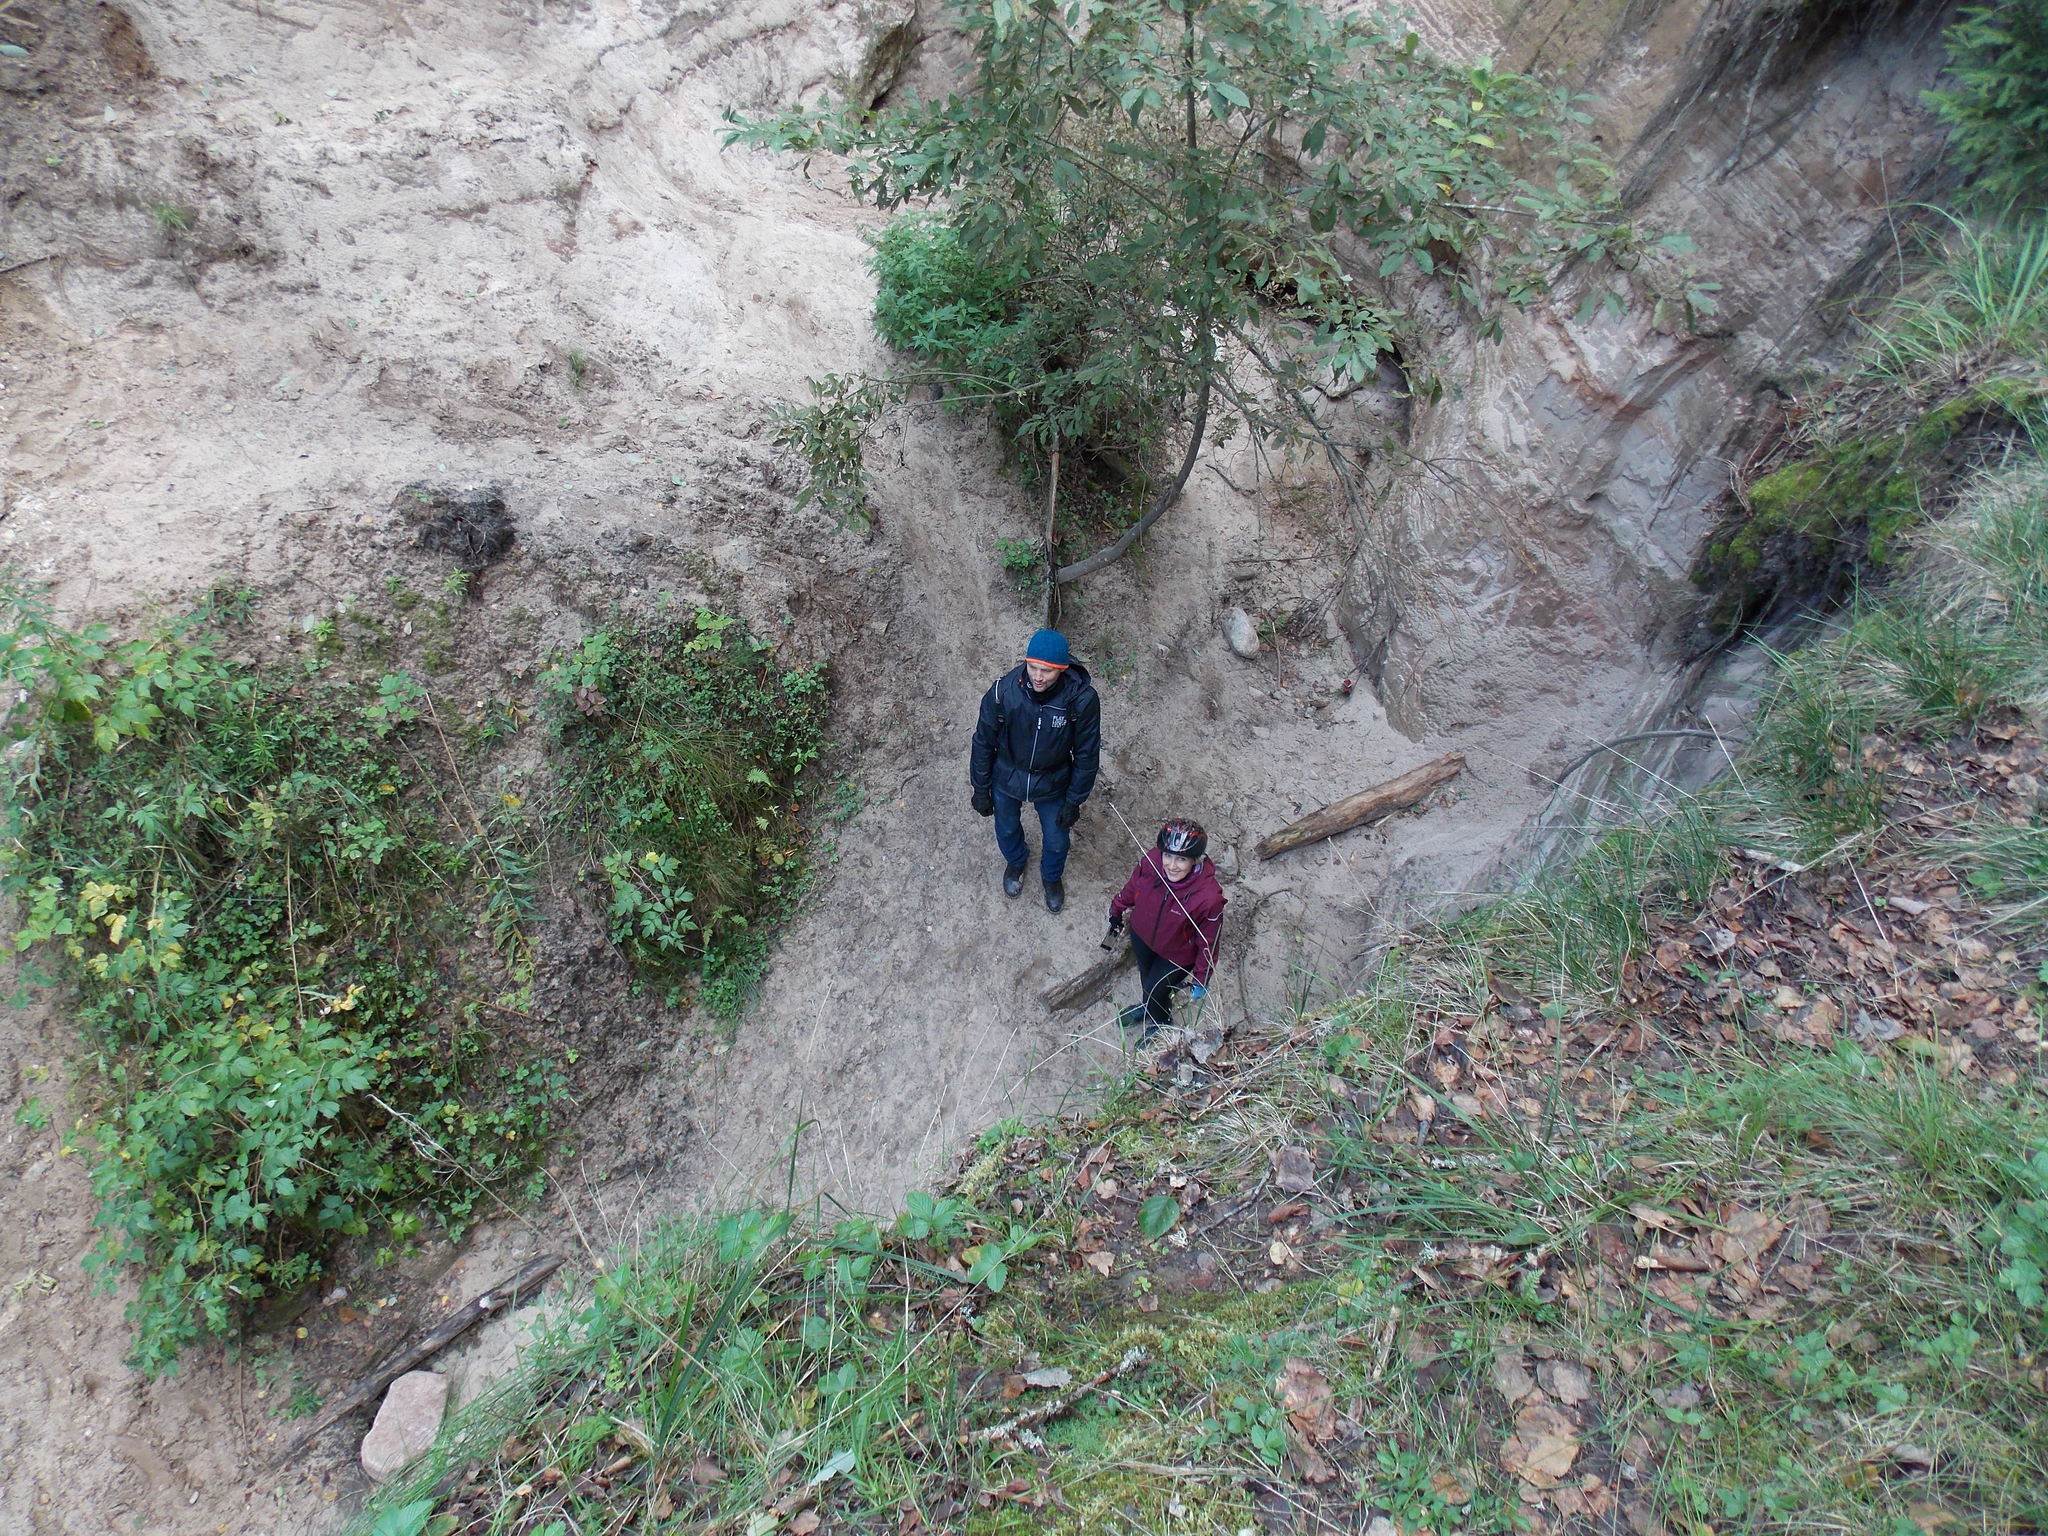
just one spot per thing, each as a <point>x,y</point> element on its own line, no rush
<point>1175,909</point>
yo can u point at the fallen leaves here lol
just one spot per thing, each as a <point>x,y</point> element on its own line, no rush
<point>1511,1378</point>
<point>1744,1236</point>
<point>1568,1382</point>
<point>1543,1447</point>
<point>1306,1399</point>
<point>1294,1170</point>
<point>1311,1411</point>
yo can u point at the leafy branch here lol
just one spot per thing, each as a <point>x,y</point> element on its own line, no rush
<point>1130,199</point>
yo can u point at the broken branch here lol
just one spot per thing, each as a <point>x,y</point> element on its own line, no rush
<point>1367,806</point>
<point>427,1345</point>
<point>1079,991</point>
<point>1133,1359</point>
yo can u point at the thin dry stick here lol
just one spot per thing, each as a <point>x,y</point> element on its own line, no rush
<point>421,1135</point>
<point>499,1297</point>
<point>1030,1419</point>
<point>1234,1207</point>
<point>462,788</point>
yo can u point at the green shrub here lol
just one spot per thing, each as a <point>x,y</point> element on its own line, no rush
<point>254,887</point>
<point>686,744</point>
<point>1997,110</point>
<point>1006,340</point>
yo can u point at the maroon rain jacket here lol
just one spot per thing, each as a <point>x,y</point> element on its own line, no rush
<point>1180,922</point>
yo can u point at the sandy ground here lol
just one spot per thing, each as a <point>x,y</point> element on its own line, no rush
<point>401,221</point>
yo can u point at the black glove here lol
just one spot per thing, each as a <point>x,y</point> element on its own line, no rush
<point>1066,816</point>
<point>984,802</point>
<point>1116,930</point>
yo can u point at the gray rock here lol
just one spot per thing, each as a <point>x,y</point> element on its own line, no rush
<point>406,1423</point>
<point>1242,633</point>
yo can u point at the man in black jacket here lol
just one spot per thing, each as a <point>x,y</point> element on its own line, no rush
<point>1039,739</point>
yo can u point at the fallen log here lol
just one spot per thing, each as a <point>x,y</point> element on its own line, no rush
<point>1079,991</point>
<point>425,1347</point>
<point>1367,806</point>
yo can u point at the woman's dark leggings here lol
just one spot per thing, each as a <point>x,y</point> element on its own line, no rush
<point>1159,976</point>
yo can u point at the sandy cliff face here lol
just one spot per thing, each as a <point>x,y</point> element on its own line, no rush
<point>1536,551</point>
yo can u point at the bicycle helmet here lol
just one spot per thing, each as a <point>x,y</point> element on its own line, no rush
<point>1184,837</point>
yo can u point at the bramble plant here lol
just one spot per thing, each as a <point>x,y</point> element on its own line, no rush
<point>686,744</point>
<point>1132,200</point>
<point>256,890</point>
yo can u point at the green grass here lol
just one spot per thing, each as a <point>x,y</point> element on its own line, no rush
<point>1982,307</point>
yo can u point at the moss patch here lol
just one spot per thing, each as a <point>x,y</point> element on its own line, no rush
<point>1810,531</point>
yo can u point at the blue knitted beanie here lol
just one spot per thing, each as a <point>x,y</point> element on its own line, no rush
<point>1050,647</point>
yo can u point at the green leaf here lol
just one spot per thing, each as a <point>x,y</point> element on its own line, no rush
<point>13,51</point>
<point>1158,1216</point>
<point>403,1519</point>
<point>841,1462</point>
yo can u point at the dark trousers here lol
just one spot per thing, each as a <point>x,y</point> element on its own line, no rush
<point>1159,976</point>
<point>1052,861</point>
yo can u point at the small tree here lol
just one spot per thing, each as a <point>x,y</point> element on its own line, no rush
<point>1130,194</point>
<point>1996,106</point>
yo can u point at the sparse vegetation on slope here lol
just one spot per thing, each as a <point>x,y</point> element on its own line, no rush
<point>1951,377</point>
<point>299,933</point>
<point>1137,209</point>
<point>685,744</point>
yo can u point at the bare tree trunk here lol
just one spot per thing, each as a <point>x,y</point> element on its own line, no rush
<point>1113,552</point>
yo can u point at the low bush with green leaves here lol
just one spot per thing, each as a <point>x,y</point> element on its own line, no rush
<point>254,882</point>
<point>685,748</point>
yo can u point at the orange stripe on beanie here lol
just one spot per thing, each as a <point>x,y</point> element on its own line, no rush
<point>1048,647</point>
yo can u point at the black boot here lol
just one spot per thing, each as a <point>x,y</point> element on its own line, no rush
<point>1133,1016</point>
<point>1055,895</point>
<point>1013,880</point>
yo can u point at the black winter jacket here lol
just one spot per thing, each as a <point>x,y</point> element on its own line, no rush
<point>1033,748</point>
